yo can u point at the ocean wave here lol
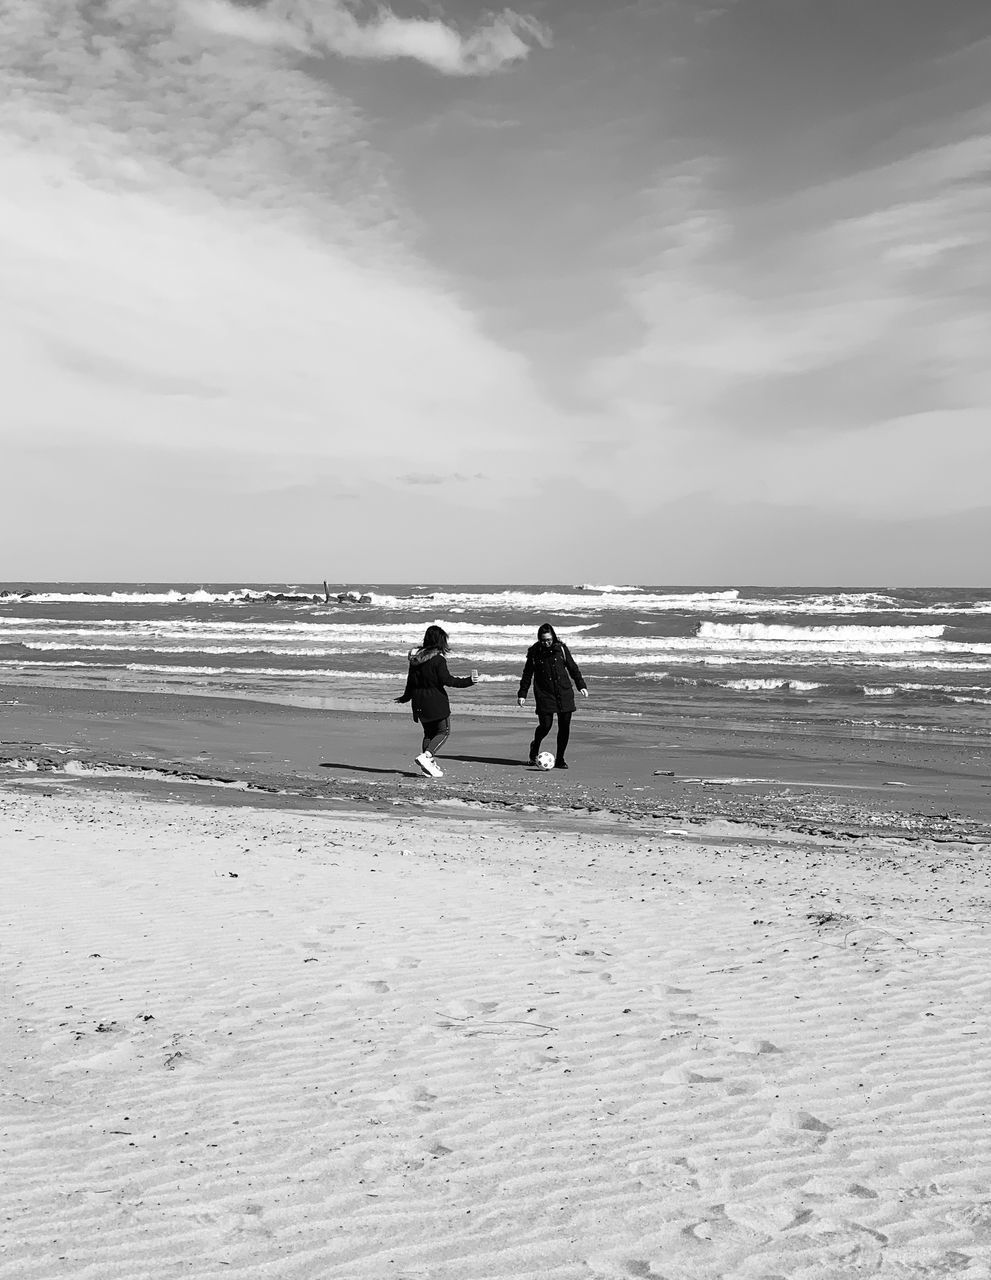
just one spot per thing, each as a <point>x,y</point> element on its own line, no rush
<point>749,684</point>
<point>772,683</point>
<point>353,633</point>
<point>598,601</point>
<point>591,658</point>
<point>584,598</point>
<point>749,641</point>
<point>825,635</point>
<point>579,600</point>
<point>185,669</point>
<point>133,597</point>
<point>220,649</point>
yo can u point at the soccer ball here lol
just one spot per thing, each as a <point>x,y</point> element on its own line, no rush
<point>545,760</point>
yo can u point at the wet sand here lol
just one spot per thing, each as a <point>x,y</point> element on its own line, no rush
<point>635,771</point>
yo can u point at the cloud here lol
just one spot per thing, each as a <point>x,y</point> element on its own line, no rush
<point>828,348</point>
<point>437,478</point>
<point>329,26</point>
<point>138,98</point>
<point>201,253</point>
<point>125,313</point>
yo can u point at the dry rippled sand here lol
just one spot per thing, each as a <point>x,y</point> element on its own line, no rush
<point>290,1045</point>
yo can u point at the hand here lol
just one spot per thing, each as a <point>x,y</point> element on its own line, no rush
<point>583,692</point>
<point>521,701</point>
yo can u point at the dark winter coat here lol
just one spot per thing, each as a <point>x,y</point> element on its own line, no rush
<point>428,674</point>
<point>549,669</point>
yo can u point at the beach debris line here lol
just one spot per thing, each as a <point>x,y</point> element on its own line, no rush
<point>490,1026</point>
<point>74,768</point>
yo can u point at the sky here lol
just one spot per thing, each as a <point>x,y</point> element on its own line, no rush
<point>670,291</point>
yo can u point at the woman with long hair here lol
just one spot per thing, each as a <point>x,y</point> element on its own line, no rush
<point>427,683</point>
<point>551,668</point>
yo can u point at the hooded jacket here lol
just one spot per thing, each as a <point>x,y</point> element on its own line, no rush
<point>425,685</point>
<point>549,669</point>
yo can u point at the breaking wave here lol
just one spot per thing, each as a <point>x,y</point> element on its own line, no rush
<point>825,635</point>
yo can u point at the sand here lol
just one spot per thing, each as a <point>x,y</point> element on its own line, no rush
<point>778,775</point>
<point>287,1043</point>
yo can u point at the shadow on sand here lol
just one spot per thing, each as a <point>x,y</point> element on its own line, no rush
<point>362,768</point>
<point>511,760</point>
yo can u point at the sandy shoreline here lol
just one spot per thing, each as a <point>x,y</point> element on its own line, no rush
<point>308,1044</point>
<point>678,772</point>
<point>278,1004</point>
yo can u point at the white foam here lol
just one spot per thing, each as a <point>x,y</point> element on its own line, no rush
<point>582,598</point>
<point>181,669</point>
<point>771,683</point>
<point>825,635</point>
<point>501,644</point>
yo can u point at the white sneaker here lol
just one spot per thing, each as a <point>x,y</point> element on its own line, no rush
<point>429,765</point>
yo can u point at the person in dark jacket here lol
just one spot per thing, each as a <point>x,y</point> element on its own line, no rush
<point>551,668</point>
<point>426,688</point>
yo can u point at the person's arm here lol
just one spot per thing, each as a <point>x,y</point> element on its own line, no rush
<point>525,679</point>
<point>573,671</point>
<point>407,693</point>
<point>453,682</point>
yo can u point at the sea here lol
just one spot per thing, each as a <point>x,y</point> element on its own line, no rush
<point>902,660</point>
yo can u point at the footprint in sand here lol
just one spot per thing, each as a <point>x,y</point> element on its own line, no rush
<point>754,1047</point>
<point>974,1217</point>
<point>602,1267</point>
<point>693,1017</point>
<point>535,1060</point>
<point>658,1174</point>
<point>460,1010</point>
<point>415,1096</point>
<point>363,987</point>
<point>229,1225</point>
<point>926,1192</point>
<point>831,1188</point>
<point>800,1122</point>
<point>718,1227</point>
<point>641,1269</point>
<point>683,1075</point>
<point>768,1217</point>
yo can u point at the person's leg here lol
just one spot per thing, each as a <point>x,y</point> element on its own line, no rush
<point>435,734</point>
<point>563,734</point>
<point>544,721</point>
<point>429,728</point>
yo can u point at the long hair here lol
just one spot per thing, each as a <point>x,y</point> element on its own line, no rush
<point>545,629</point>
<point>436,638</point>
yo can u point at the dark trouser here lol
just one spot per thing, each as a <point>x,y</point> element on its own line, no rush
<point>544,721</point>
<point>435,734</point>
